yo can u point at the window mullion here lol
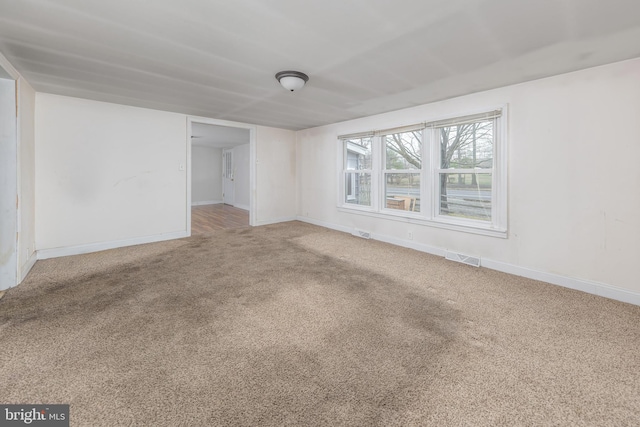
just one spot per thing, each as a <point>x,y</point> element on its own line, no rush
<point>377,166</point>
<point>435,175</point>
<point>425,182</point>
<point>496,211</point>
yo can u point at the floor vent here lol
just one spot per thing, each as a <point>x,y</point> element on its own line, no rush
<point>362,233</point>
<point>465,259</point>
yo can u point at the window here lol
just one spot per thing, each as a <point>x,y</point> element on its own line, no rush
<point>357,171</point>
<point>465,171</point>
<point>449,173</point>
<point>402,170</point>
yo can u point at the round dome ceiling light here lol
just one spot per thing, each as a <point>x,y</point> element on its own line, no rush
<point>292,80</point>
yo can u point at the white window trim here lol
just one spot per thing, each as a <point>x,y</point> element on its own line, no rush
<point>429,193</point>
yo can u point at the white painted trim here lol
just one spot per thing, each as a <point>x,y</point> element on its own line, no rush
<point>102,246</point>
<point>324,224</point>
<point>409,244</point>
<point>26,268</point>
<point>447,225</point>
<point>253,175</point>
<point>10,171</point>
<point>376,236</point>
<point>207,202</point>
<point>590,287</point>
<point>18,180</point>
<point>188,172</point>
<point>241,206</point>
<point>276,220</point>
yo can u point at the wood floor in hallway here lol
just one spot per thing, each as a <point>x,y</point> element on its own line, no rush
<point>208,218</point>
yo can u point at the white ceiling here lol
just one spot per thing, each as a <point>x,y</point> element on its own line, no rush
<point>218,136</point>
<point>218,58</point>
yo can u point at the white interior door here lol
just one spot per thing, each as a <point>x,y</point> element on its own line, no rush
<point>227,177</point>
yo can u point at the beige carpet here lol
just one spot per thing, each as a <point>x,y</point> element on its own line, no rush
<point>293,324</point>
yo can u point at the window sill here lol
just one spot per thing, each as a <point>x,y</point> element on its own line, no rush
<point>436,222</point>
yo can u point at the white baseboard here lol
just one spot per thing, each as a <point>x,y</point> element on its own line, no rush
<point>324,224</point>
<point>588,286</point>
<point>409,244</point>
<point>275,220</point>
<point>102,246</point>
<point>245,207</point>
<point>375,236</point>
<point>595,288</point>
<point>26,268</point>
<point>207,202</point>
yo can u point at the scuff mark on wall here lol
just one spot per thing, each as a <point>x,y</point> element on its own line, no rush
<point>129,178</point>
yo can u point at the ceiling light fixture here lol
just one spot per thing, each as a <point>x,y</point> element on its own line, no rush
<point>292,80</point>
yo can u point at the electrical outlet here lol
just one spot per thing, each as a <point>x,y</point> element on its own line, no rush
<point>410,235</point>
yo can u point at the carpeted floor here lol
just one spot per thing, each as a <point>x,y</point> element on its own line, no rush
<point>292,324</point>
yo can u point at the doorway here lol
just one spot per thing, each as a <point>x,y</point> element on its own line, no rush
<point>220,174</point>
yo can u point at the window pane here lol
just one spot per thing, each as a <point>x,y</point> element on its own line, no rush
<point>402,191</point>
<point>404,150</point>
<point>467,145</point>
<point>466,195</point>
<point>358,154</point>
<point>357,188</point>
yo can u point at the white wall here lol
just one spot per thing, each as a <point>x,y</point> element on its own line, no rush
<point>206,175</point>
<point>241,176</point>
<point>27,177</point>
<point>574,180</point>
<point>107,173</point>
<point>276,175</point>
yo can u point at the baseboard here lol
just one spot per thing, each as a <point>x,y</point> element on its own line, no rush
<point>324,224</point>
<point>244,207</point>
<point>275,220</point>
<point>588,286</point>
<point>207,202</point>
<point>375,236</point>
<point>409,244</point>
<point>595,288</point>
<point>102,246</point>
<point>26,268</point>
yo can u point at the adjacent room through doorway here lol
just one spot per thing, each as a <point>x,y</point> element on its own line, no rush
<point>220,189</point>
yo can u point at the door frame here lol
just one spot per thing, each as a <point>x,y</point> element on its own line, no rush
<point>10,164</point>
<point>252,163</point>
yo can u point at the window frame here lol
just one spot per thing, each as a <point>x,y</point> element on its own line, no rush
<point>437,171</point>
<point>430,171</point>
<point>384,171</point>
<point>343,160</point>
